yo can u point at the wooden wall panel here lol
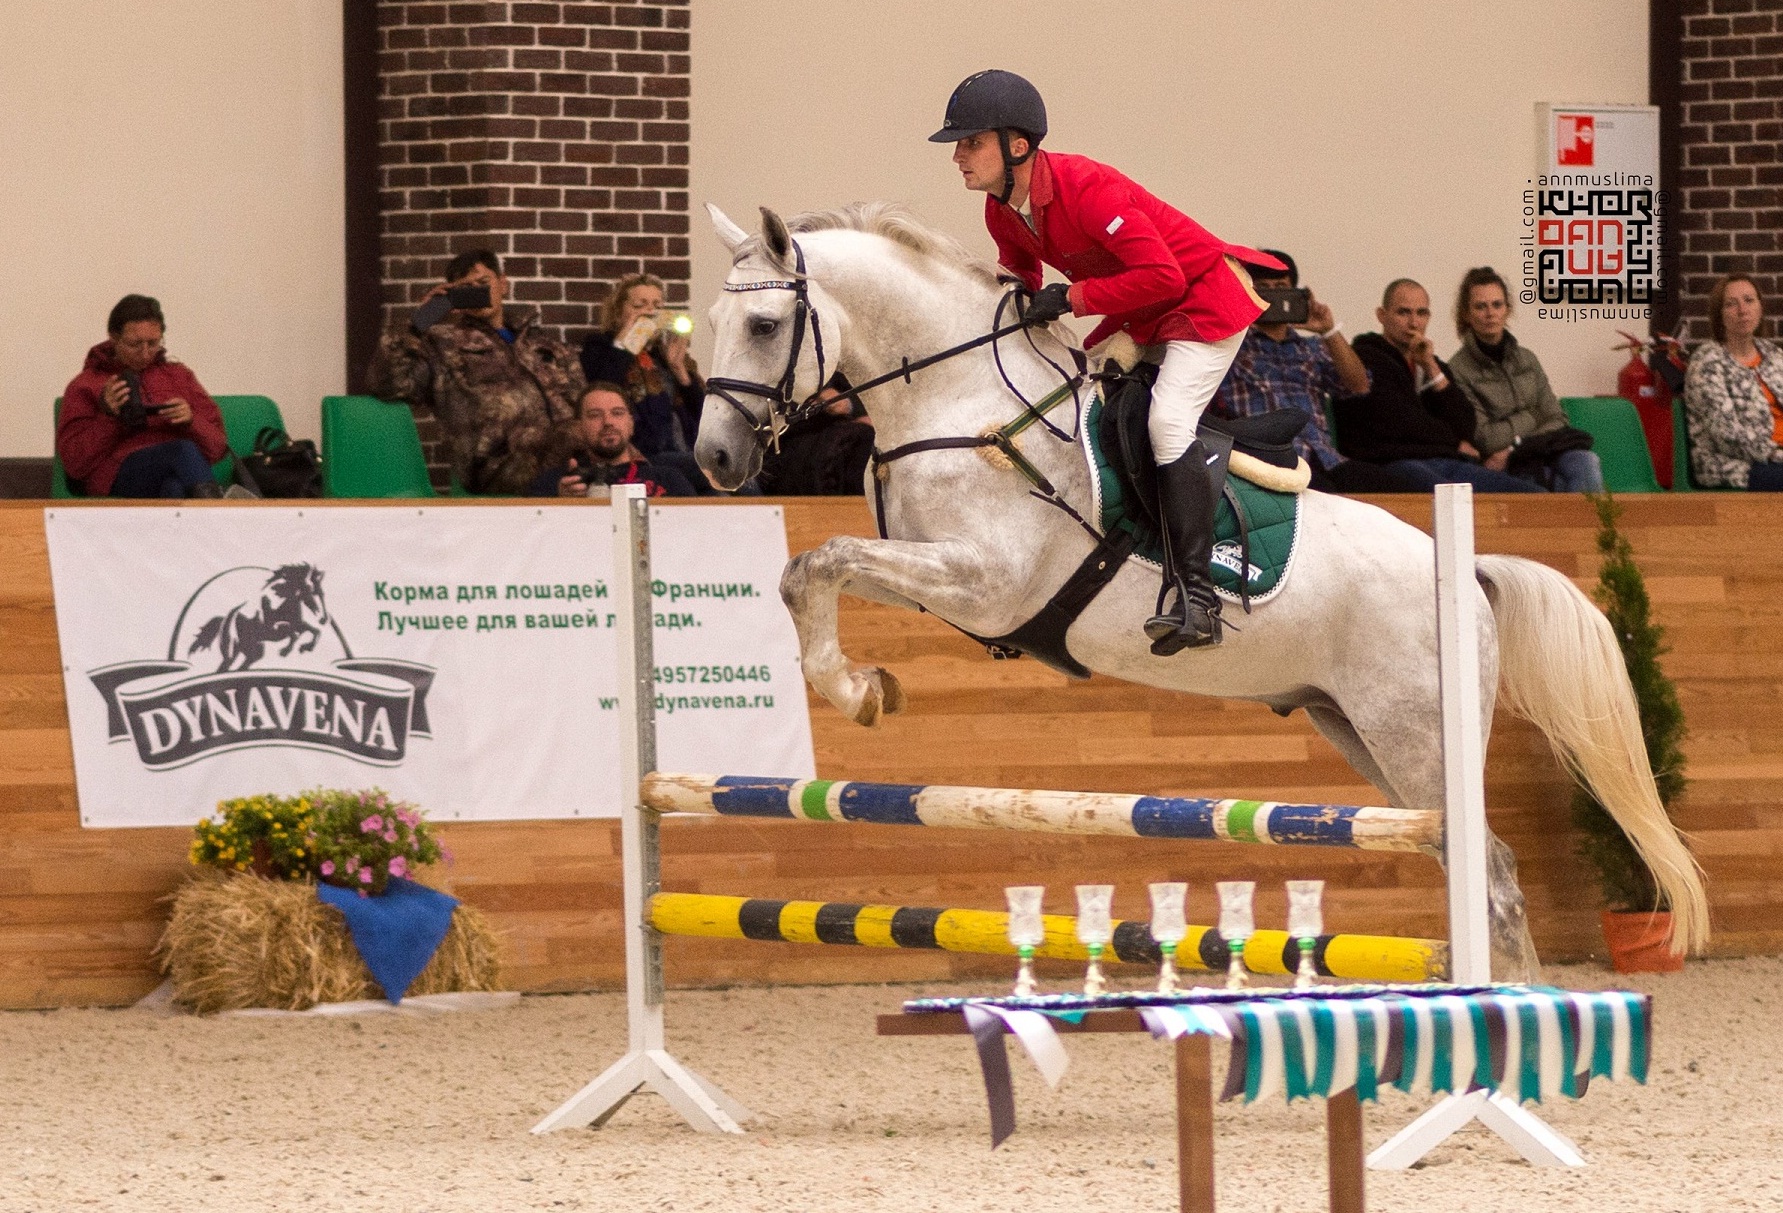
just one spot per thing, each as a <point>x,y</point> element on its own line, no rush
<point>81,909</point>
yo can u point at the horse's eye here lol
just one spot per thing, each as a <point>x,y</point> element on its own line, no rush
<point>763,327</point>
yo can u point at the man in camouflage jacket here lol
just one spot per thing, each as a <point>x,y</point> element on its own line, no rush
<point>504,392</point>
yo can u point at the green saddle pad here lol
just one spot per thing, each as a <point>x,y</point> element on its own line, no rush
<point>1274,523</point>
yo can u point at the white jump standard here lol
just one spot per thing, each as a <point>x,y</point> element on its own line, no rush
<point>1464,849</point>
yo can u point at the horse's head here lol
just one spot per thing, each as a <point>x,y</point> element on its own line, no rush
<point>298,588</point>
<point>778,338</point>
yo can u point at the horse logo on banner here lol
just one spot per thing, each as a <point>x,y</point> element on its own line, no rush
<point>284,675</point>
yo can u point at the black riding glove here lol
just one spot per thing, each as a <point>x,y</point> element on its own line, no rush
<point>1048,304</point>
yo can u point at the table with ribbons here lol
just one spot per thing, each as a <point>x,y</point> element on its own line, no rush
<point>1345,1043</point>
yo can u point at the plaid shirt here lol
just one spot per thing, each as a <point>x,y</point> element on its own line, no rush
<point>1294,374</point>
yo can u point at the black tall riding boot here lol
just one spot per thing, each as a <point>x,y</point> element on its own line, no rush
<point>1185,503</point>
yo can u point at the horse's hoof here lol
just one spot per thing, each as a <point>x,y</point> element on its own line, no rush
<point>894,692</point>
<point>880,695</point>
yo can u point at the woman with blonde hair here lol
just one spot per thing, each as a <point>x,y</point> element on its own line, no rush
<point>1732,395</point>
<point>637,348</point>
<point>1519,426</point>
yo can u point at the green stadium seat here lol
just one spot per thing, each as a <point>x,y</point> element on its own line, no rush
<point>1681,481</point>
<point>243,419</point>
<point>1617,437</point>
<point>370,448</point>
<point>58,477</point>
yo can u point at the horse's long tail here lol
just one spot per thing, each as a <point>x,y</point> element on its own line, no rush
<point>207,634</point>
<point>1562,670</point>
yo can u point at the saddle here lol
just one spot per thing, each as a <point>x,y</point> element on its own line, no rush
<point>1259,448</point>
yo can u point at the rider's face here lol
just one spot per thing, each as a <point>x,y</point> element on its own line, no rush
<point>980,160</point>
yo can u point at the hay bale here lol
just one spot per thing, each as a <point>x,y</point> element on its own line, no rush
<point>238,941</point>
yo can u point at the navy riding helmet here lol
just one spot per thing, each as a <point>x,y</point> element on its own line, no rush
<point>995,101</point>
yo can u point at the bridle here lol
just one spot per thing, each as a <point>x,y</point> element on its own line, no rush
<point>783,409</point>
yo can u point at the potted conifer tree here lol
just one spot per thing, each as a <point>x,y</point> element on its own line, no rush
<point>1636,922</point>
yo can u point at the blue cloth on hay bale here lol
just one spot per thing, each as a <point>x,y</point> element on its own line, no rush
<point>397,932</point>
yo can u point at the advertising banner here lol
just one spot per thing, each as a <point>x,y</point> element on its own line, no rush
<point>461,658</point>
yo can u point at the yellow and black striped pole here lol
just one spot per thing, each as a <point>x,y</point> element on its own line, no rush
<point>986,932</point>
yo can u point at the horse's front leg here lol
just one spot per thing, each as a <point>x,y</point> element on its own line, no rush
<point>949,578</point>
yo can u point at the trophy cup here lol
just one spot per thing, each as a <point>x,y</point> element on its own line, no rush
<point>1026,932</point>
<point>1305,923</point>
<point>1094,930</point>
<point>1168,928</point>
<point>1236,925</point>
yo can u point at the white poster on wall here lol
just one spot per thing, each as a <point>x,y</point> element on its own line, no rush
<point>461,658</point>
<point>1592,217</point>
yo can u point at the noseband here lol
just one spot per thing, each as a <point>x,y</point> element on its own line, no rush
<point>783,410</point>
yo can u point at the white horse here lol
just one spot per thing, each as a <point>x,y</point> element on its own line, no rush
<point>1351,639</point>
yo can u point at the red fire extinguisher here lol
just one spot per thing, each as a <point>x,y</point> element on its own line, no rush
<point>1652,399</point>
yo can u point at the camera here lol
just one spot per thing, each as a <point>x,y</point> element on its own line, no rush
<point>1286,304</point>
<point>471,298</point>
<point>133,414</point>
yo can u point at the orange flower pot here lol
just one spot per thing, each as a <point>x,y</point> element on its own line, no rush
<point>1640,942</point>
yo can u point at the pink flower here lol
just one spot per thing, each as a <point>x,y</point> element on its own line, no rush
<point>399,866</point>
<point>390,835</point>
<point>409,819</point>
<point>364,875</point>
<point>363,893</point>
<point>328,867</point>
<point>371,825</point>
<point>352,863</point>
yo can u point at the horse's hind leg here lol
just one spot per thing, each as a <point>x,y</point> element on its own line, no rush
<point>1404,760</point>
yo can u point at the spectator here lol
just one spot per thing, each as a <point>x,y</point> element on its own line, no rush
<point>502,389</point>
<point>602,453</point>
<point>1732,395</point>
<point>825,455</point>
<point>1518,423</point>
<point>650,361</point>
<point>1413,420</point>
<point>134,422</point>
<point>1277,368</point>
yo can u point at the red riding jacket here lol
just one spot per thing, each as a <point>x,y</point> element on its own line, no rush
<point>1140,263</point>
<point>92,442</point>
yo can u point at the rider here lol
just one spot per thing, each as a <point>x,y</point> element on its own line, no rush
<point>1148,270</point>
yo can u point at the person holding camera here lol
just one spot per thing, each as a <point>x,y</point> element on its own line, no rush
<point>603,453</point>
<point>135,423</point>
<point>1149,271</point>
<point>1279,368</point>
<point>643,348</point>
<point>504,391</point>
<point>1519,426</point>
<point>1413,420</point>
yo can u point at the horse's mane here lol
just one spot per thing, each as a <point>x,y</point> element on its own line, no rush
<point>894,221</point>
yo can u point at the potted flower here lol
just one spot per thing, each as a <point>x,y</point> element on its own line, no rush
<point>361,839</point>
<point>1636,922</point>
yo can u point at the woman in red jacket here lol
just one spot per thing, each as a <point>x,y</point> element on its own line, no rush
<point>135,424</point>
<point>1146,268</point>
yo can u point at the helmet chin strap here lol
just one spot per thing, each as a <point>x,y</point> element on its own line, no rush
<point>1009,163</point>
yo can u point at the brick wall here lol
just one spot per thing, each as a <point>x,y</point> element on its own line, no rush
<point>1731,175</point>
<point>556,134</point>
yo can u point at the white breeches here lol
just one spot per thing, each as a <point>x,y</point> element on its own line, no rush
<point>1187,380</point>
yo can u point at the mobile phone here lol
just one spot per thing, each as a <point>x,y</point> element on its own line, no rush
<point>1286,304</point>
<point>431,313</point>
<point>471,298</point>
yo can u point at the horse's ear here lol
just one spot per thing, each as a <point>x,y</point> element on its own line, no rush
<point>729,233</point>
<point>776,239</point>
